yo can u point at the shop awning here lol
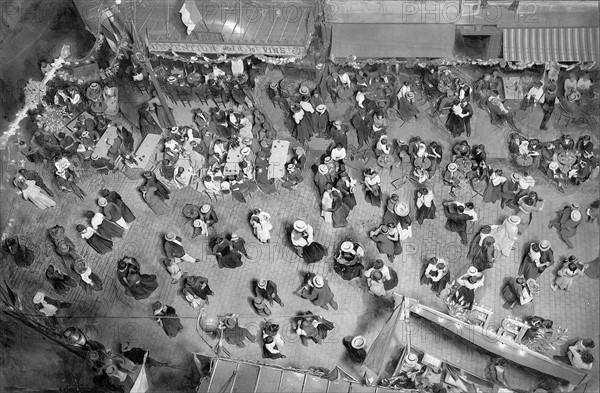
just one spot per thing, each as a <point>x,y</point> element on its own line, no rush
<point>386,40</point>
<point>556,44</point>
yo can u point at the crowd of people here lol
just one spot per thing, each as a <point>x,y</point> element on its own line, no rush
<point>230,149</point>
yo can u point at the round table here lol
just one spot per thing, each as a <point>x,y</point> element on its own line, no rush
<point>567,158</point>
<point>524,160</point>
<point>385,161</point>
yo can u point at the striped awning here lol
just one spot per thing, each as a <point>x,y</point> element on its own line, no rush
<point>554,44</point>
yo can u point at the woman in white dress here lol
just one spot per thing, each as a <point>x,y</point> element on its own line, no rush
<point>31,192</point>
<point>327,204</point>
<point>506,234</point>
<point>261,225</point>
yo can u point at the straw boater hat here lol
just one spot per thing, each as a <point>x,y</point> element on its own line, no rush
<point>262,283</point>
<point>38,298</point>
<point>230,323</point>
<point>247,141</point>
<point>171,79</point>
<point>574,205</point>
<point>553,165</point>
<point>452,167</point>
<point>245,151</point>
<point>515,176</point>
<point>234,236</point>
<point>318,281</point>
<point>358,342</point>
<point>411,360</point>
<point>323,169</point>
<point>401,209</point>
<point>304,90</point>
<point>337,122</point>
<point>290,166</point>
<point>170,236</point>
<point>299,225</point>
<point>321,108</point>
<point>102,202</point>
<point>197,223</point>
<point>544,245</point>
<point>472,271</point>
<point>320,66</point>
<point>575,215</point>
<point>299,150</point>
<point>533,286</point>
<point>515,220</point>
<point>224,187</point>
<point>410,95</point>
<point>205,209</point>
<point>347,246</point>
<point>274,85</point>
<point>94,156</point>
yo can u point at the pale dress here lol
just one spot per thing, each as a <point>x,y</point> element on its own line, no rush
<point>262,229</point>
<point>35,195</point>
<point>505,236</point>
<point>327,204</point>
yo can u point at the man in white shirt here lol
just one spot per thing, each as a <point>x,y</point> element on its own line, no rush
<point>403,90</point>
<point>338,153</point>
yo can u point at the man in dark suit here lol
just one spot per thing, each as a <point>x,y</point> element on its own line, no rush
<point>509,190</point>
<point>456,220</point>
<point>567,222</point>
<point>548,105</point>
<point>467,111</point>
<point>362,123</point>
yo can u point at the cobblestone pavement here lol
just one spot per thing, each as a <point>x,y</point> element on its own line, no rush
<point>112,317</point>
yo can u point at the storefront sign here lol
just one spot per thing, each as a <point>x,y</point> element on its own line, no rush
<point>221,48</point>
<point>196,36</point>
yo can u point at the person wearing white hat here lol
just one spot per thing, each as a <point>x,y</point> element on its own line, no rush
<point>510,189</point>
<point>237,244</point>
<point>355,346</point>
<point>536,261</point>
<point>321,119</point>
<point>451,178</point>
<point>322,178</point>
<point>174,249</point>
<point>292,177</point>
<point>567,222</point>
<point>267,289</point>
<point>317,290</point>
<point>113,213</point>
<point>506,234</point>
<point>472,279</point>
<point>302,238</point>
<point>208,215</point>
<point>261,225</point>
<point>47,305</point>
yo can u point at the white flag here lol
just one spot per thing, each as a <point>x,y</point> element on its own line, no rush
<point>190,15</point>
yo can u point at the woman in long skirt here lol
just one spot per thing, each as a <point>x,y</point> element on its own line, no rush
<point>31,192</point>
<point>89,280</point>
<point>61,283</point>
<point>394,235</point>
<point>436,274</point>
<point>493,190</point>
<point>140,285</point>
<point>302,238</point>
<point>477,242</point>
<point>346,187</point>
<point>571,269</point>
<point>425,205</point>
<point>372,187</point>
<point>340,211</point>
<point>226,257</point>
<point>528,204</point>
<point>327,204</point>
<point>486,256</point>
<point>265,184</point>
<point>506,234</point>
<point>104,227</point>
<point>454,122</point>
<point>167,317</point>
<point>261,225</point>
<point>100,244</point>
<point>384,244</point>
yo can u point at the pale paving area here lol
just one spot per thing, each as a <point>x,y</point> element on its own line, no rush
<point>110,316</point>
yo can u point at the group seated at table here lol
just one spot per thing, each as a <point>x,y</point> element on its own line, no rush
<point>562,160</point>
